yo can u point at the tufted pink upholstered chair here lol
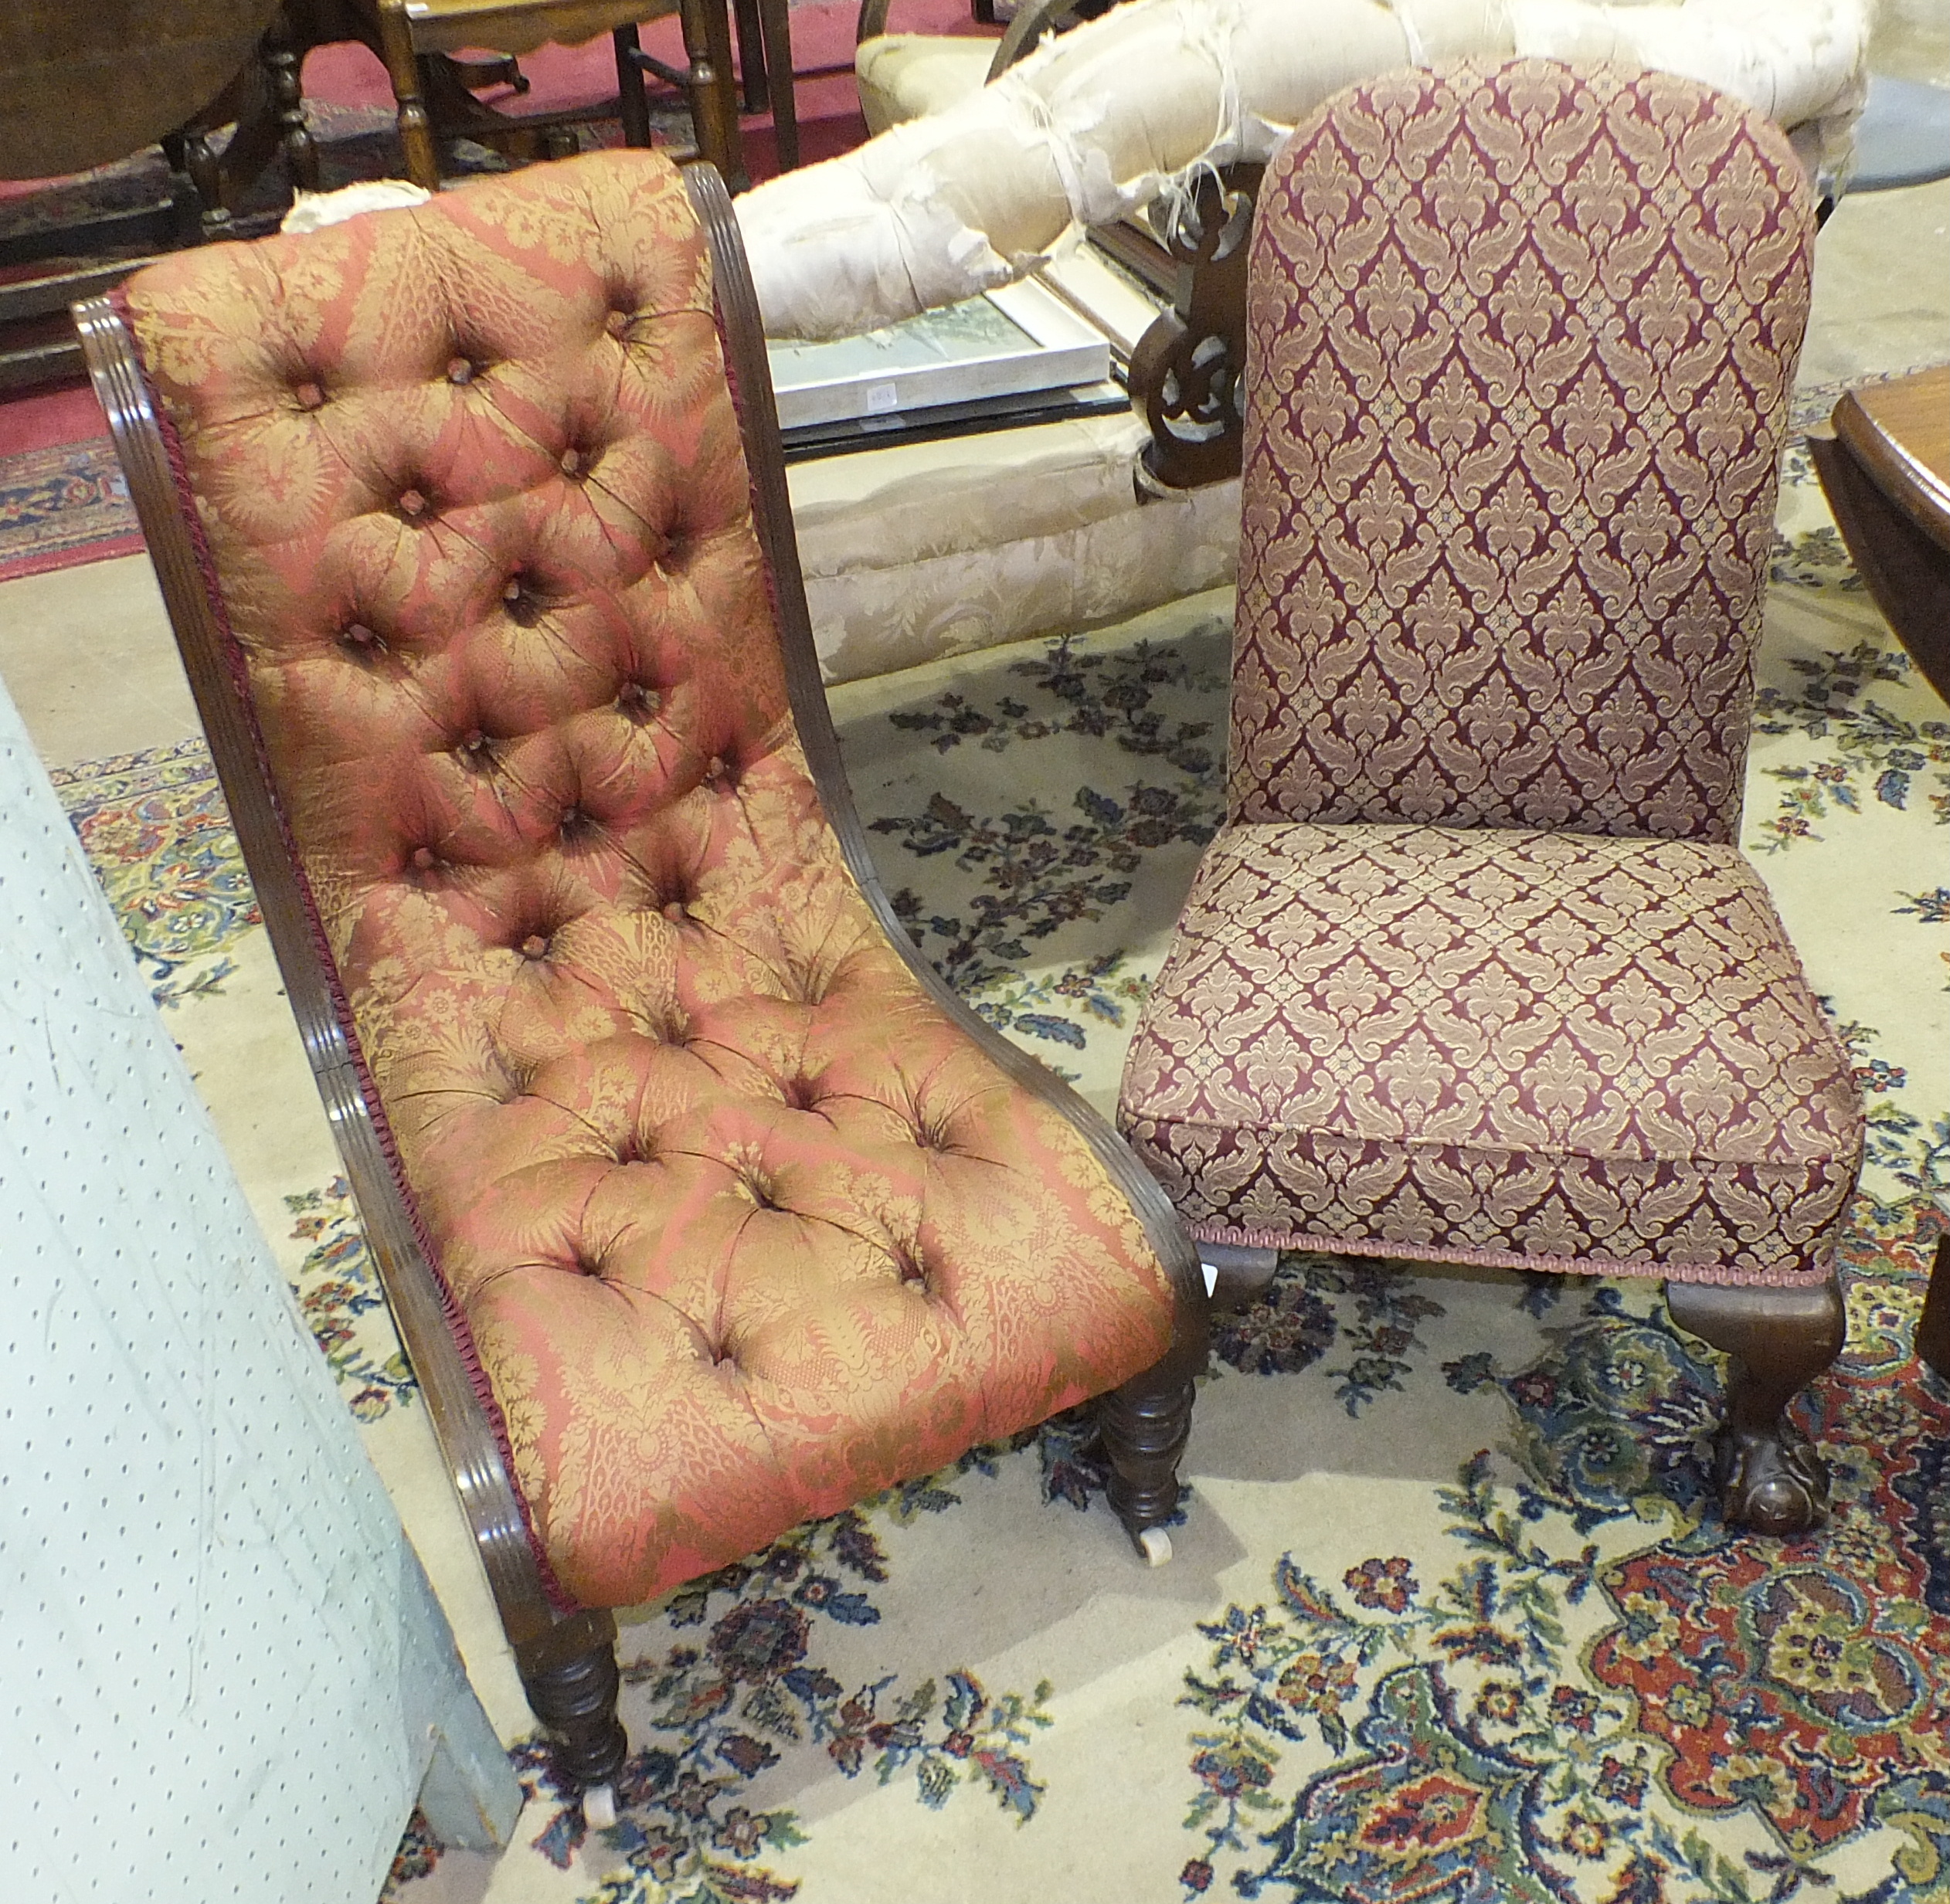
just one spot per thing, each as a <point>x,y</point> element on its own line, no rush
<point>703,1205</point>
<point>1475,971</point>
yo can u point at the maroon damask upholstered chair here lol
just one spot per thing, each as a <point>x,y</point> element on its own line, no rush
<point>703,1205</point>
<point>1475,971</point>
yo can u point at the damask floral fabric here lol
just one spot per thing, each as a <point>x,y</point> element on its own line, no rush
<point>1520,342</point>
<point>1549,1050</point>
<point>743,1227</point>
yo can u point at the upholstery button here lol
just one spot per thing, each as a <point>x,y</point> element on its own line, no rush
<point>459,370</point>
<point>308,396</point>
<point>411,504</point>
<point>524,609</point>
<point>617,324</point>
<point>573,821</point>
<point>574,462</point>
<point>932,1134</point>
<point>675,911</point>
<point>637,702</point>
<point>425,859</point>
<point>535,946</point>
<point>361,639</point>
<point>474,749</point>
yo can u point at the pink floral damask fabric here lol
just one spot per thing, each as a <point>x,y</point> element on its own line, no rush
<point>1547,1049</point>
<point>1474,971</point>
<point>1518,344</point>
<point>744,1227</point>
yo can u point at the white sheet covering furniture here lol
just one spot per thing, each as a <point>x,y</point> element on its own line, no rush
<point>222,1674</point>
<point>914,553</point>
<point>1103,119</point>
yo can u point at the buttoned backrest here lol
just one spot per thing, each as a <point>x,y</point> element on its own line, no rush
<point>1521,339</point>
<point>738,1222</point>
<point>471,479</point>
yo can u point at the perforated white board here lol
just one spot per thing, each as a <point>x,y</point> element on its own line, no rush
<point>209,1613</point>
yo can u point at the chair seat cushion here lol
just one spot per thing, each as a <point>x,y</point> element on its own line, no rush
<point>1540,1049</point>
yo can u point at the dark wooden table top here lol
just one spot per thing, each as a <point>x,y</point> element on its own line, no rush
<point>1884,462</point>
<point>84,82</point>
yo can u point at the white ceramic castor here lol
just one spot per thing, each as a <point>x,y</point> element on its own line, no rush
<point>600,1807</point>
<point>1155,1544</point>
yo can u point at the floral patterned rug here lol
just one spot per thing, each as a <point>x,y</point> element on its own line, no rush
<point>1453,1616</point>
<point>63,505</point>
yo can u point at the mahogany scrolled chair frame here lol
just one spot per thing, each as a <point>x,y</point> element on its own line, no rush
<point>702,1204</point>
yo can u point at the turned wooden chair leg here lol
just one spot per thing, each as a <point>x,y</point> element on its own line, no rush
<point>1770,1479</point>
<point>1236,1277</point>
<point>714,106</point>
<point>206,174</point>
<point>1933,1325</point>
<point>284,59</point>
<point>1144,1426</point>
<point>569,1674</point>
<point>633,108</point>
<point>752,77</point>
<point>776,27</point>
<point>403,69</point>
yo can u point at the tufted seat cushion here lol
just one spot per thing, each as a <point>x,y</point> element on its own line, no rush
<point>1549,1050</point>
<point>741,1227</point>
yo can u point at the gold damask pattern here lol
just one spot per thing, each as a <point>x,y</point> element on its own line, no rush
<point>1523,338</point>
<point>1544,1050</point>
<point>1521,341</point>
<point>743,1227</point>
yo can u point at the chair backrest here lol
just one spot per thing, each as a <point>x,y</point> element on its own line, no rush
<point>1520,342</point>
<point>498,636</point>
<point>472,481</point>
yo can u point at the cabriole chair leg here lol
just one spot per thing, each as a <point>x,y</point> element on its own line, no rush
<point>1770,1479</point>
<point>1145,1425</point>
<point>569,1674</point>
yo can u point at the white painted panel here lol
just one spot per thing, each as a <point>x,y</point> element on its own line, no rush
<point>221,1674</point>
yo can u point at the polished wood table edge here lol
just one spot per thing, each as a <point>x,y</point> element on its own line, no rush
<point>1914,479</point>
<point>1881,462</point>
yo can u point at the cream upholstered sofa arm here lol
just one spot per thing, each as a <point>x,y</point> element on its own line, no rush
<point>1100,121</point>
<point>909,75</point>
